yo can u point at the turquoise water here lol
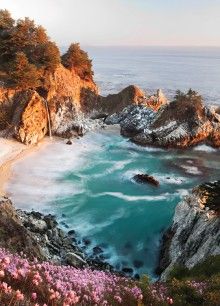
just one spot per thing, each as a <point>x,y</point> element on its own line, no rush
<point>89,186</point>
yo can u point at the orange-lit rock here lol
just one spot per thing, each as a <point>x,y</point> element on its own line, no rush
<point>30,120</point>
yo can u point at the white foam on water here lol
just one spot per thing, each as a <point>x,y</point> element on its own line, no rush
<point>170,179</point>
<point>130,198</point>
<point>37,178</point>
<point>85,223</point>
<point>204,148</point>
<point>191,169</point>
<point>182,192</point>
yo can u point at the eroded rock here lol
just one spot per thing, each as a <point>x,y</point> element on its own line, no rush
<point>195,232</point>
<point>30,120</point>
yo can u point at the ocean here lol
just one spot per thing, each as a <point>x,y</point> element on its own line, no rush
<point>151,68</point>
<point>89,186</point>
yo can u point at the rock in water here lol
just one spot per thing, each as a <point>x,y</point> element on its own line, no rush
<point>195,232</point>
<point>182,123</point>
<point>69,142</point>
<point>146,179</point>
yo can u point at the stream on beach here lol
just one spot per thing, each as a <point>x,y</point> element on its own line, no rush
<point>89,186</point>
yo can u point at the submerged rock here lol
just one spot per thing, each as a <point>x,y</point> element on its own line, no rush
<point>146,179</point>
<point>195,232</point>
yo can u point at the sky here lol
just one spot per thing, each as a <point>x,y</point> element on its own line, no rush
<point>124,22</point>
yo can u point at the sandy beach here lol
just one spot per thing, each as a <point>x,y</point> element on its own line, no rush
<point>11,151</point>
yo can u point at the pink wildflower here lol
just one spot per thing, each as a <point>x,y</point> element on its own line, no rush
<point>118,299</point>
<point>2,273</point>
<point>6,260</point>
<point>34,296</point>
<point>169,301</point>
<point>19,296</point>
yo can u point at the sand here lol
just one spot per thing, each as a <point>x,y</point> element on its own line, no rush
<point>11,151</point>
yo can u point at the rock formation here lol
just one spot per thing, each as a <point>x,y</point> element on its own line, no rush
<point>179,124</point>
<point>30,119</point>
<point>67,97</point>
<point>146,179</point>
<point>131,95</point>
<point>38,236</point>
<point>195,233</point>
<point>66,102</point>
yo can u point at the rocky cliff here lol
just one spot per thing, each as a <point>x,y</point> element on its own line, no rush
<point>195,233</point>
<point>62,97</point>
<point>64,103</point>
<point>38,236</point>
<point>131,95</point>
<point>178,124</point>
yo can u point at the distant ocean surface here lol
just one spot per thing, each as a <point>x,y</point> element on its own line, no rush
<point>168,68</point>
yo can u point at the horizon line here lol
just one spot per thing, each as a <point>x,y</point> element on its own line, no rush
<point>145,46</point>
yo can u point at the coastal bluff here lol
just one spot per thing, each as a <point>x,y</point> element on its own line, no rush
<point>194,234</point>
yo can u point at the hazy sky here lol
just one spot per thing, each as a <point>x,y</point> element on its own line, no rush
<point>124,22</point>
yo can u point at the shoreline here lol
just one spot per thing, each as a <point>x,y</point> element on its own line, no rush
<point>14,151</point>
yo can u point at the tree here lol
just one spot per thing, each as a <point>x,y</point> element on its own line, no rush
<point>24,75</point>
<point>23,36</point>
<point>6,21</point>
<point>77,59</point>
<point>6,27</point>
<point>190,95</point>
<point>46,56</point>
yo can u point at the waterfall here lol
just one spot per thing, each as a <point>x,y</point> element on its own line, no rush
<point>48,118</point>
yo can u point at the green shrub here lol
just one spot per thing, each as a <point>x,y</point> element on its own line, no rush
<point>209,267</point>
<point>77,59</point>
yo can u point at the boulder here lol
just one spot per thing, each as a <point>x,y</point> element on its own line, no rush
<point>146,179</point>
<point>30,120</point>
<point>75,260</point>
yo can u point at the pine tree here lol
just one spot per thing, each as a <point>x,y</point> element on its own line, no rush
<point>24,75</point>
<point>77,59</point>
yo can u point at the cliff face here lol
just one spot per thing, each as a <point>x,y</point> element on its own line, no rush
<point>195,233</point>
<point>30,120</point>
<point>65,95</point>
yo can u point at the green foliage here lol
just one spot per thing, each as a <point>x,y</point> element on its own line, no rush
<point>209,267</point>
<point>183,294</point>
<point>39,54</point>
<point>77,59</point>
<point>24,75</point>
<point>191,95</point>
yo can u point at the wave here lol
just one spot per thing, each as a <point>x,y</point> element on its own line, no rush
<point>131,198</point>
<point>204,148</point>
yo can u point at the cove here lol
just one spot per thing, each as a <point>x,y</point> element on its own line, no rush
<point>89,186</point>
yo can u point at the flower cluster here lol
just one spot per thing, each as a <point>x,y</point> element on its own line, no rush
<point>32,283</point>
